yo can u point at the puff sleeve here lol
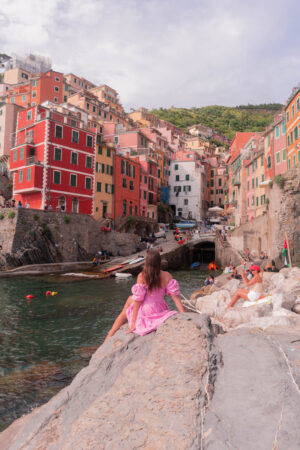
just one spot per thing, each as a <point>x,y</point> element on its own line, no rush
<point>173,288</point>
<point>138,292</point>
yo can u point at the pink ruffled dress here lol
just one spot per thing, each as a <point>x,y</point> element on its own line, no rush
<point>153,310</point>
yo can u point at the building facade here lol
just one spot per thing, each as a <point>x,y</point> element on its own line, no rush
<point>292,119</point>
<point>53,161</point>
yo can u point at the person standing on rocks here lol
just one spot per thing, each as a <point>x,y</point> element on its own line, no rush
<point>146,308</point>
<point>255,285</point>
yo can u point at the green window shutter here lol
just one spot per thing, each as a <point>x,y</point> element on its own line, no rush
<point>103,168</point>
<point>98,186</point>
<point>99,150</point>
<point>89,161</point>
<point>74,158</point>
<point>20,176</point>
<point>15,155</point>
<point>177,177</point>
<point>89,141</point>
<point>88,183</point>
<point>111,170</point>
<point>56,177</point>
<point>124,183</point>
<point>73,180</point>
<point>57,154</point>
<point>22,153</point>
<point>176,166</point>
<point>28,176</point>
<point>187,177</point>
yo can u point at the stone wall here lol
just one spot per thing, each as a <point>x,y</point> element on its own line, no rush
<point>35,237</point>
<point>282,218</point>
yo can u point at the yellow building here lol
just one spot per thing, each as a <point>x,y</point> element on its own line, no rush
<point>104,184</point>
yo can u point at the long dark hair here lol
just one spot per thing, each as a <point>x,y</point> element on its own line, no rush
<point>151,271</point>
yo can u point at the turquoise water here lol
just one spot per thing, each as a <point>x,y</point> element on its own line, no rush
<point>45,342</point>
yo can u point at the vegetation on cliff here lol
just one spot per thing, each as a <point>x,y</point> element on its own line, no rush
<point>223,119</point>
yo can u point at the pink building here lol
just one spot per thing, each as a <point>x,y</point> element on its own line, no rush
<point>280,153</point>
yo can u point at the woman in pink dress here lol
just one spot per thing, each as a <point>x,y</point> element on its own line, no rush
<point>146,308</point>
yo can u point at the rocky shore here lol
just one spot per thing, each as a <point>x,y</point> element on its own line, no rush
<point>205,380</point>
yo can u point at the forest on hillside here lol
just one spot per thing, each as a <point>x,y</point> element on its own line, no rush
<point>225,120</point>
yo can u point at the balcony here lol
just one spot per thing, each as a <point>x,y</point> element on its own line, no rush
<point>236,183</point>
<point>31,160</point>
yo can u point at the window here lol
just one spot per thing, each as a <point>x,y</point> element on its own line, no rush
<point>289,163</point>
<point>287,116</point>
<point>145,179</point>
<point>94,108</point>
<point>262,160</point>
<point>88,183</point>
<point>73,180</point>
<point>29,115</point>
<point>57,79</point>
<point>89,141</point>
<point>252,200</point>
<point>103,168</point>
<point>20,176</point>
<point>277,157</point>
<point>298,156</point>
<point>186,202</point>
<point>58,131</point>
<point>277,132</point>
<point>107,169</point>
<point>88,162</point>
<point>176,166</point>
<point>298,104</point>
<point>98,186</point>
<point>116,139</point>
<point>24,75</point>
<point>57,154</point>
<point>111,170</point>
<point>122,166</point>
<point>56,88</point>
<point>293,110</point>
<point>56,177</point>
<point>177,177</point>
<point>248,171</point>
<point>256,201</point>
<point>74,158</point>
<point>23,98</point>
<point>124,184</point>
<point>220,181</point>
<point>145,195</point>
<point>283,128</point>
<point>65,98</point>
<point>28,174</point>
<point>252,183</point>
<point>34,83</point>
<point>187,177</point>
<point>75,136</point>
<point>99,150</point>
<point>108,151</point>
<point>248,202</point>
<point>269,162</point>
<point>55,99</point>
<point>263,178</point>
<point>248,185</point>
<point>15,155</point>
<point>211,183</point>
<point>22,153</point>
<point>288,140</point>
<point>284,154</point>
<point>87,106</point>
<point>131,187</point>
<point>256,182</point>
<point>212,192</point>
<point>296,133</point>
<point>294,160</point>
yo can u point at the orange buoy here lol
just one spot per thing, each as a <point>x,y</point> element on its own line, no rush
<point>29,296</point>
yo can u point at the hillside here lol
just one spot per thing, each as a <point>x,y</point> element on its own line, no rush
<point>225,120</point>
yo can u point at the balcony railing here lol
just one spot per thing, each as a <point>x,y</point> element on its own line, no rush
<point>31,160</point>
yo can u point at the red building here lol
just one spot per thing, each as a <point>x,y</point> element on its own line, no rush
<point>127,186</point>
<point>53,160</point>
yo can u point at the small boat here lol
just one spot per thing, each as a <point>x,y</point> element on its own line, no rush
<point>123,275</point>
<point>135,261</point>
<point>112,269</point>
<point>128,261</point>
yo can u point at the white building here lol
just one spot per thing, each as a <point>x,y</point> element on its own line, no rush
<point>188,186</point>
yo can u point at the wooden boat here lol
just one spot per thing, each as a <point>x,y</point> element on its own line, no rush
<point>112,269</point>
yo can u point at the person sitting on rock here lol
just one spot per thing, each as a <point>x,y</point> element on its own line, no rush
<point>235,274</point>
<point>255,285</point>
<point>146,308</point>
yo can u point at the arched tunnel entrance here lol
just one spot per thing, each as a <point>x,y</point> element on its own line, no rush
<point>204,252</point>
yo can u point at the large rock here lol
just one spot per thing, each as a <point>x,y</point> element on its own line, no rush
<point>137,392</point>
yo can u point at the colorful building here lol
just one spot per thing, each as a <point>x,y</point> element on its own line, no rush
<point>104,184</point>
<point>292,118</point>
<point>53,160</point>
<point>8,123</point>
<point>47,86</point>
<point>127,187</point>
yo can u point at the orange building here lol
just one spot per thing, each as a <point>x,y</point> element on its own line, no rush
<point>38,89</point>
<point>292,115</point>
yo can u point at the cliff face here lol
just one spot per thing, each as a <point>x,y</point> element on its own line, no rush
<point>182,387</point>
<point>35,237</point>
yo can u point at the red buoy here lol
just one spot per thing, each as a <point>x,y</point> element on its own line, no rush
<point>48,293</point>
<point>29,296</point>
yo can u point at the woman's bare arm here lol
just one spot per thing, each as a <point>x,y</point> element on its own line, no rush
<point>177,301</point>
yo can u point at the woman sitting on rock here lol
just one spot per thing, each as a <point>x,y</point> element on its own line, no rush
<point>255,285</point>
<point>146,309</point>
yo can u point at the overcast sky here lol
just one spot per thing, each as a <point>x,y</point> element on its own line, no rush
<point>165,52</point>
